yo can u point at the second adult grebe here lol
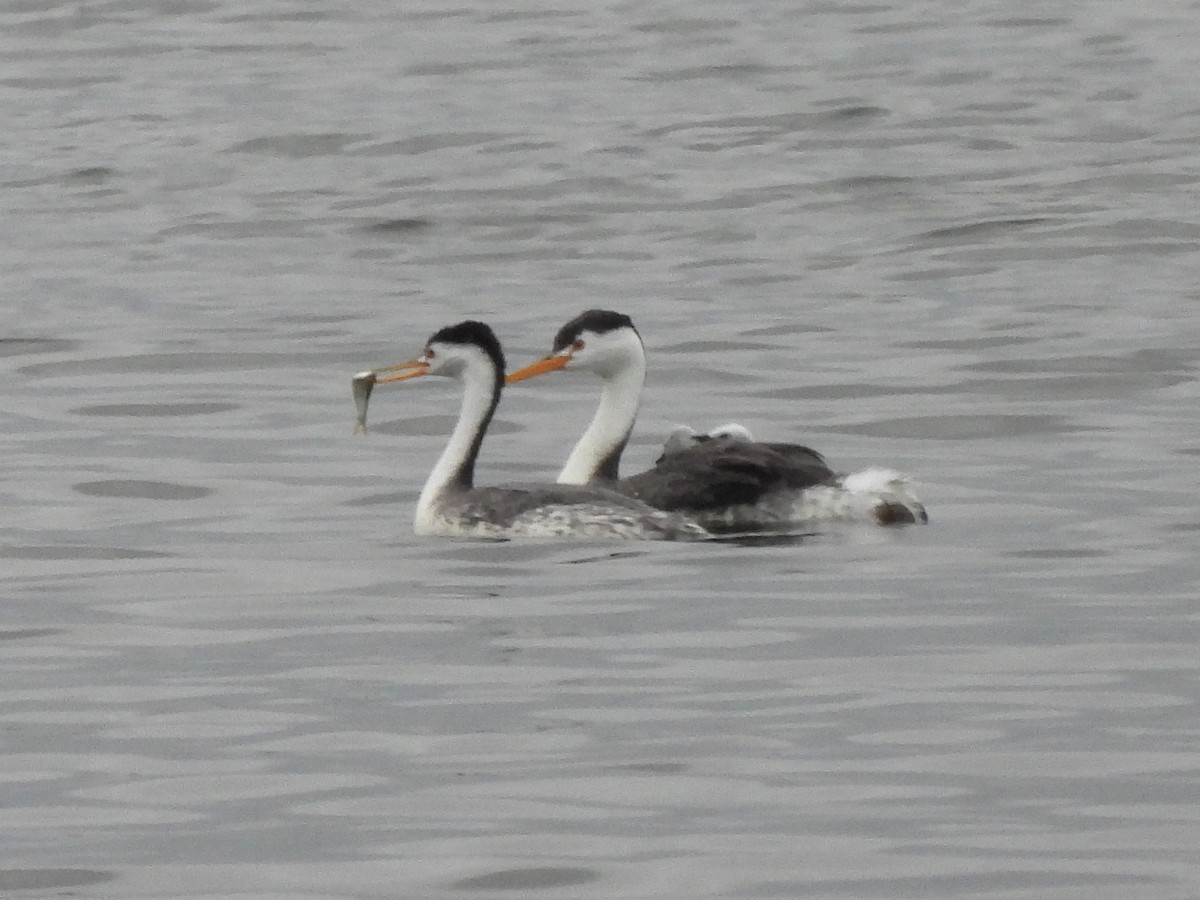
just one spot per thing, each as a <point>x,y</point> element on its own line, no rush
<point>451,504</point>
<point>726,481</point>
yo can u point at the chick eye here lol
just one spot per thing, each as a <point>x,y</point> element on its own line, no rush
<point>577,344</point>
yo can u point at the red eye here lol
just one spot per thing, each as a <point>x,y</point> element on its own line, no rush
<point>577,344</point>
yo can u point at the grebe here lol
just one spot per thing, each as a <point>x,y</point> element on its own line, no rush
<point>684,437</point>
<point>450,504</point>
<point>725,480</point>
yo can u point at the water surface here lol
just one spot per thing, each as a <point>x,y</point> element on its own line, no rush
<point>956,239</point>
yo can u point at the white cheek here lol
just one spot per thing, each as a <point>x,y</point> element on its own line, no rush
<point>606,365</point>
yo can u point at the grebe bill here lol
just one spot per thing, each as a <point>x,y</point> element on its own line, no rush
<point>726,481</point>
<point>450,504</point>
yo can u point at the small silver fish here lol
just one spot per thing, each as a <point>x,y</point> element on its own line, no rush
<point>362,384</point>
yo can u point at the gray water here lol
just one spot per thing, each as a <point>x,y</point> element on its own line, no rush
<point>955,238</point>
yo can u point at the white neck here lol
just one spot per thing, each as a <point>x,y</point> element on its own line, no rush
<point>454,471</point>
<point>610,427</point>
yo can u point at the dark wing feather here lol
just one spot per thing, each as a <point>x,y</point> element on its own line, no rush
<point>721,473</point>
<point>796,452</point>
<point>805,467</point>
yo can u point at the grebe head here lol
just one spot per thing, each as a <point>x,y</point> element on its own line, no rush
<point>731,431</point>
<point>599,340</point>
<point>449,352</point>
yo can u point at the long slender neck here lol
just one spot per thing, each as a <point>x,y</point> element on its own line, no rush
<point>597,456</point>
<point>455,468</point>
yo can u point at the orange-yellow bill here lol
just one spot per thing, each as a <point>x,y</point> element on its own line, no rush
<point>541,367</point>
<point>411,369</point>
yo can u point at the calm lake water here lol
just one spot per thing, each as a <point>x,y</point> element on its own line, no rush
<point>955,238</point>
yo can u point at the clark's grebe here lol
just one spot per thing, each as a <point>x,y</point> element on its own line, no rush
<point>450,504</point>
<point>727,480</point>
